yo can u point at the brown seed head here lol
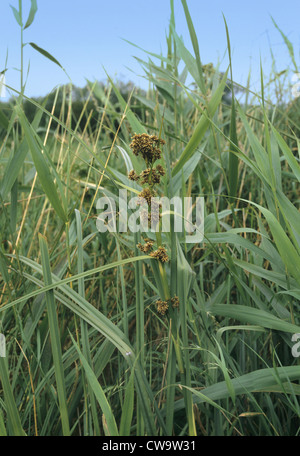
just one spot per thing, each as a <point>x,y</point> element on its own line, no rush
<point>162,306</point>
<point>147,194</point>
<point>175,301</point>
<point>133,176</point>
<point>146,247</point>
<point>160,170</point>
<point>160,254</point>
<point>147,146</point>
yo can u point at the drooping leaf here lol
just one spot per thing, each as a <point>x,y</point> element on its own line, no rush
<point>45,54</point>
<point>32,12</point>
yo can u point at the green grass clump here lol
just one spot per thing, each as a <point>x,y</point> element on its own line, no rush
<point>112,333</point>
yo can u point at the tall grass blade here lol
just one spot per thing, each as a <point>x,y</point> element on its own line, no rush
<point>194,43</point>
<point>55,338</point>
<point>111,426</point>
<point>14,421</point>
<point>127,411</point>
<point>32,13</point>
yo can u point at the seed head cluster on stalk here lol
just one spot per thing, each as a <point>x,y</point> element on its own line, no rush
<point>160,254</point>
<point>148,147</point>
<point>146,247</point>
<point>163,306</point>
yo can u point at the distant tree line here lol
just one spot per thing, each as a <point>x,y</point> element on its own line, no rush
<point>94,101</point>
<point>81,98</point>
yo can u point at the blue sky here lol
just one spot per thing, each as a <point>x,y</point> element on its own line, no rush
<point>85,36</point>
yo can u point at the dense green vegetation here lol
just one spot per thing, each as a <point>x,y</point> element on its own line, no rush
<point>87,350</point>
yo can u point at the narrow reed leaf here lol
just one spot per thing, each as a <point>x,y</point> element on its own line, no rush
<point>13,206</point>
<point>17,15</point>
<point>46,54</point>
<point>253,317</point>
<point>233,158</point>
<point>14,421</point>
<point>262,379</point>
<point>259,152</point>
<point>111,427</point>
<point>233,177</point>
<point>194,43</point>
<point>290,157</point>
<point>288,44</point>
<point>3,432</point>
<point>127,410</point>
<point>32,13</point>
<point>224,369</point>
<point>55,338</point>
<point>83,324</point>
<point>188,59</point>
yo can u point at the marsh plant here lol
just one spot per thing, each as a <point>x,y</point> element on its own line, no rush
<point>154,211</point>
<point>151,333</point>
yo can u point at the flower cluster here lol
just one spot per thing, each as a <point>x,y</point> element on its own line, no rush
<point>146,194</point>
<point>148,176</point>
<point>163,306</point>
<point>175,302</point>
<point>133,176</point>
<point>147,146</point>
<point>152,175</point>
<point>160,254</point>
<point>146,247</point>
